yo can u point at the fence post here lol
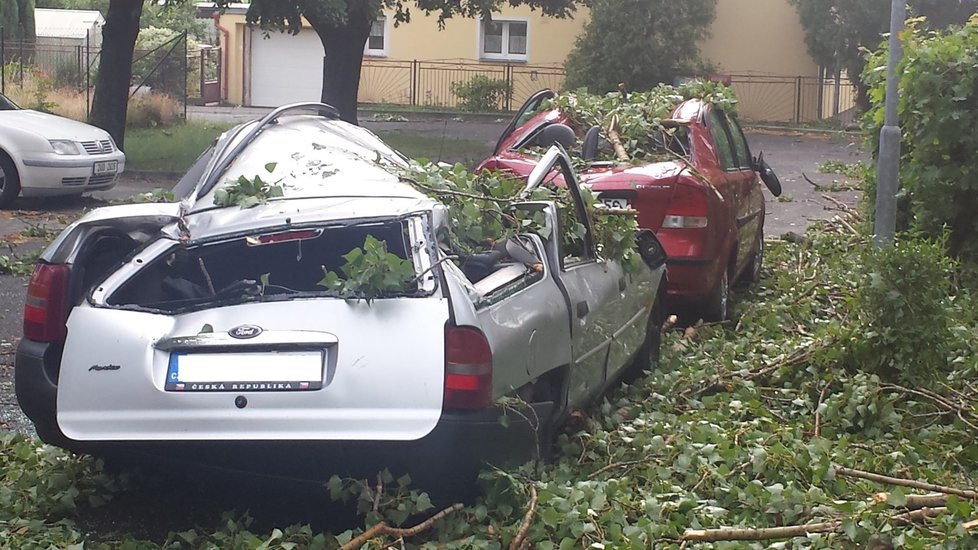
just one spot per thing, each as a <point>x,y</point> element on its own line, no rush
<point>820,112</point>
<point>798,100</point>
<point>21,63</point>
<point>186,48</point>
<point>3,62</point>
<point>88,75</point>
<point>507,102</point>
<point>414,83</point>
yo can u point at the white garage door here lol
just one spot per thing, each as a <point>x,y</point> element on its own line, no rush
<point>285,68</point>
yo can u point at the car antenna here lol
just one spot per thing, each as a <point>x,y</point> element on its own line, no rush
<point>441,146</point>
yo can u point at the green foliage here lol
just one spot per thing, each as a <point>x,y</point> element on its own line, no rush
<point>481,93</point>
<point>248,193</point>
<point>156,195</point>
<point>903,298</point>
<point>17,19</point>
<point>483,212</point>
<point>855,170</point>
<point>371,272</point>
<point>639,42</point>
<point>939,118</point>
<point>639,115</point>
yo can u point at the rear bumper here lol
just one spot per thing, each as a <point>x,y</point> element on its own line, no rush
<point>451,454</point>
<point>691,280</point>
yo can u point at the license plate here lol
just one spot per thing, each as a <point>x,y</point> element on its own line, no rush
<point>245,372</point>
<point>617,204</point>
<point>106,167</point>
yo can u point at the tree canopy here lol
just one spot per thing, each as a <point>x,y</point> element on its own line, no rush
<point>639,42</point>
<point>838,32</point>
<point>17,19</point>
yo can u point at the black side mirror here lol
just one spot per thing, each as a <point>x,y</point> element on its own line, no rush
<point>768,176</point>
<point>650,249</point>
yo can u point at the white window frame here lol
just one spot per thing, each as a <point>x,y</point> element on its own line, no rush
<point>367,51</point>
<point>505,56</point>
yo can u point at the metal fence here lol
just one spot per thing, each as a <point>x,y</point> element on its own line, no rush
<point>59,76</point>
<point>795,100</point>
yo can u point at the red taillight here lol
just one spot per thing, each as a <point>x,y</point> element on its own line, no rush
<point>468,368</point>
<point>46,308</point>
<point>688,209</point>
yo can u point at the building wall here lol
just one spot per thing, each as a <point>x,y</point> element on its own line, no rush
<point>760,42</point>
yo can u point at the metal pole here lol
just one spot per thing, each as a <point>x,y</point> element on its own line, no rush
<point>888,164</point>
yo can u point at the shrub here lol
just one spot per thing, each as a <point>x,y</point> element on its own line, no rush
<point>903,304</point>
<point>939,117</point>
<point>152,110</point>
<point>481,93</point>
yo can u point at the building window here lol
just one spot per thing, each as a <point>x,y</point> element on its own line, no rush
<point>504,40</point>
<point>377,41</point>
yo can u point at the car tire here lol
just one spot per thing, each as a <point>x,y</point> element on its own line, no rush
<point>753,272</point>
<point>717,306</point>
<point>9,181</point>
<point>647,358</point>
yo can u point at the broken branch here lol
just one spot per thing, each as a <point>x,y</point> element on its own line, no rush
<point>923,486</point>
<point>732,533</point>
<point>382,529</point>
<point>615,140</point>
<point>518,541</point>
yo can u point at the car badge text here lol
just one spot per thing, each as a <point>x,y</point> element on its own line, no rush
<point>103,367</point>
<point>243,332</point>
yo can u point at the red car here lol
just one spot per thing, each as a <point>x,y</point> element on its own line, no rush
<point>704,201</point>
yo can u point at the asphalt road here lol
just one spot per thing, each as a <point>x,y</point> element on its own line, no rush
<point>793,155</point>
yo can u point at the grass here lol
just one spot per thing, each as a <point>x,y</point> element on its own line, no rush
<point>171,149</point>
<point>175,148</point>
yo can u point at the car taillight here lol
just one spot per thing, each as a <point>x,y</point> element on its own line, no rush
<point>468,368</point>
<point>687,209</point>
<point>46,311</point>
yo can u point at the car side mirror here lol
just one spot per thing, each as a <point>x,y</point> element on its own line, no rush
<point>768,176</point>
<point>650,249</point>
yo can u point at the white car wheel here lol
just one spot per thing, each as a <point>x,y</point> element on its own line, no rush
<point>9,182</point>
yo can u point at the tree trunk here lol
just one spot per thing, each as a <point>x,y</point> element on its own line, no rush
<point>343,46</point>
<point>115,68</point>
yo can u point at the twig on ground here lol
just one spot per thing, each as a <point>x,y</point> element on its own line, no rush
<point>922,485</point>
<point>519,540</point>
<point>382,529</point>
<point>732,533</point>
<point>818,407</point>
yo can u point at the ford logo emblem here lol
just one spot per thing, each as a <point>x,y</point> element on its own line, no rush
<point>243,332</point>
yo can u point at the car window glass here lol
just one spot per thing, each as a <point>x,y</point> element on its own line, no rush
<point>739,141</point>
<point>6,104</point>
<point>722,141</point>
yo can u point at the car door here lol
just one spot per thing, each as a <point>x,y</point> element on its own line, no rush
<point>525,113</point>
<point>750,199</point>
<point>728,181</point>
<point>593,287</point>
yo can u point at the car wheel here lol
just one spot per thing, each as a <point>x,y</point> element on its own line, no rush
<point>9,182</point>
<point>753,271</point>
<point>717,306</point>
<point>648,355</point>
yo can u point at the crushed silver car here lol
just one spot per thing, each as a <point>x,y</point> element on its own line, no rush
<point>201,330</point>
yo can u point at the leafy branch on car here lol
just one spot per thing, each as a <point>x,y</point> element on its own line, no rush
<point>248,193</point>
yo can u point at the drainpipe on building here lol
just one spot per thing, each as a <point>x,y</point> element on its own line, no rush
<point>225,38</point>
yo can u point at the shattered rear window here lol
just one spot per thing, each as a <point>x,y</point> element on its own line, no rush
<point>274,265</point>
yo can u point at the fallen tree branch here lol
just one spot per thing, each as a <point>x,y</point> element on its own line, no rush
<point>518,541</point>
<point>915,502</point>
<point>818,406</point>
<point>738,533</point>
<point>923,486</point>
<point>916,515</point>
<point>844,207</point>
<point>382,529</point>
<point>615,140</point>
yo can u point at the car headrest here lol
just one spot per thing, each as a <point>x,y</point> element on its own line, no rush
<point>556,133</point>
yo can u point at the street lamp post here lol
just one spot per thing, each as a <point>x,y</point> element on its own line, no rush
<point>888,163</point>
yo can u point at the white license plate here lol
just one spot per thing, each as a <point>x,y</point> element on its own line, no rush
<point>106,167</point>
<point>252,371</point>
<point>618,204</point>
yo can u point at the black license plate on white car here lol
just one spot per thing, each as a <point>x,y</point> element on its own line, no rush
<point>105,167</point>
<point>245,371</point>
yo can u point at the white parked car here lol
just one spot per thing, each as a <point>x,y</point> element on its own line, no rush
<point>199,332</point>
<point>44,155</point>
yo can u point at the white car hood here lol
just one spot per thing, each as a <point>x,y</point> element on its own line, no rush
<point>51,126</point>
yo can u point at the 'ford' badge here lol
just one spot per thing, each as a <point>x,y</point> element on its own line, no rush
<point>243,332</point>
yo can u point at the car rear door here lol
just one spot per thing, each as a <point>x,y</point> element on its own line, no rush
<point>750,199</point>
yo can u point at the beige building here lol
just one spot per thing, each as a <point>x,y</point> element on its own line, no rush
<point>757,45</point>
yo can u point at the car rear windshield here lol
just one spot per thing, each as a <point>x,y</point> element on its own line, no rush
<point>278,264</point>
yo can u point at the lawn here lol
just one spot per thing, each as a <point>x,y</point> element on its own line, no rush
<point>175,148</point>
